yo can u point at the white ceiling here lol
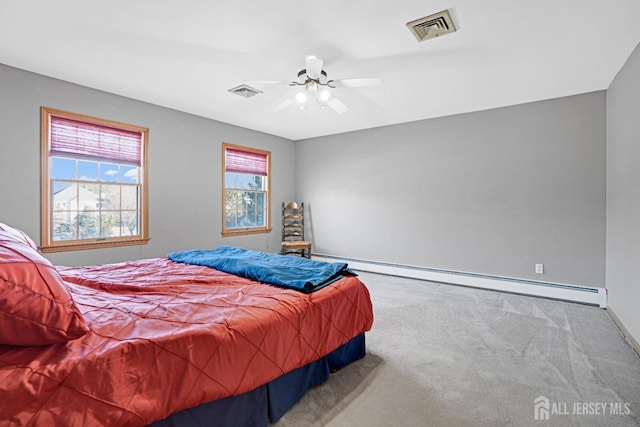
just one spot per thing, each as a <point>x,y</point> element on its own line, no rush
<point>187,54</point>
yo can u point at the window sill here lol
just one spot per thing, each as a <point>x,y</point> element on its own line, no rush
<point>245,231</point>
<point>64,247</point>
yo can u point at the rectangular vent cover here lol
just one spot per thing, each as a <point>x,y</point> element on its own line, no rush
<point>432,26</point>
<point>245,91</point>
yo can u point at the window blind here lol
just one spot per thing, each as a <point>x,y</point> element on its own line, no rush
<point>78,138</point>
<point>245,162</point>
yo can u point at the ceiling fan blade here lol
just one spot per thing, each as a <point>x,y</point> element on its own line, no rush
<point>313,65</point>
<point>358,82</point>
<point>336,105</point>
<point>284,104</point>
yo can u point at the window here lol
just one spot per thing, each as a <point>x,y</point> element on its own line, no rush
<point>94,182</point>
<point>245,192</point>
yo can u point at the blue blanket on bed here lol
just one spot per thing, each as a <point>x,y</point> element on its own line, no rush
<point>290,272</point>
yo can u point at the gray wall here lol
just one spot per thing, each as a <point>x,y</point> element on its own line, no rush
<point>490,192</point>
<point>623,194</point>
<point>184,167</point>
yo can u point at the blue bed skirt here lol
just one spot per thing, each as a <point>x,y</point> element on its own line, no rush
<point>268,403</point>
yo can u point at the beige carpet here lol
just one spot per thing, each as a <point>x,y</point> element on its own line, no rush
<point>444,355</point>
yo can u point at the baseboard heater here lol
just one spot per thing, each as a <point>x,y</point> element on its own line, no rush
<point>559,291</point>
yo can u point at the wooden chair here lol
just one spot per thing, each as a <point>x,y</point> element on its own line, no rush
<point>293,230</point>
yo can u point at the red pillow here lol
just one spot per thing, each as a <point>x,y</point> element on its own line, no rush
<point>35,306</point>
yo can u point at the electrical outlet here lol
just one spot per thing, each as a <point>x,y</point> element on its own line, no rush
<point>539,268</point>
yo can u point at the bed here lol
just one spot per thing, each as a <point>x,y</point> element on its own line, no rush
<point>159,342</point>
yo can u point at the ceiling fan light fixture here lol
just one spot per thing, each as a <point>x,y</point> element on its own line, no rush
<point>312,86</point>
<point>301,97</point>
<point>324,95</point>
<point>315,88</point>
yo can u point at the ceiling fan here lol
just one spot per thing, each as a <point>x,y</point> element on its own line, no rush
<point>315,86</point>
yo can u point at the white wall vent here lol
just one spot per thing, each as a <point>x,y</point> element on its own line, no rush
<point>432,26</point>
<point>245,91</point>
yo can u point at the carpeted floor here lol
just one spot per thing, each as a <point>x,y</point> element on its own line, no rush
<point>444,355</point>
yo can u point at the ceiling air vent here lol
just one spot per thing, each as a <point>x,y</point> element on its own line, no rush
<point>245,91</point>
<point>432,26</point>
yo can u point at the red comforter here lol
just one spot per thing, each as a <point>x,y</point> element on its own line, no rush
<point>167,336</point>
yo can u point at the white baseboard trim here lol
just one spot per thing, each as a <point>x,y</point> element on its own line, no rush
<point>560,291</point>
<point>625,332</point>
